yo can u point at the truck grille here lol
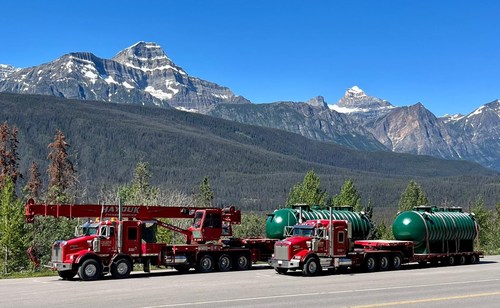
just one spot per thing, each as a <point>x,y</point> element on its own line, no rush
<point>56,252</point>
<point>281,252</point>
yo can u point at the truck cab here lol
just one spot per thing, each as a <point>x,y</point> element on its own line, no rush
<point>312,246</point>
<point>98,244</point>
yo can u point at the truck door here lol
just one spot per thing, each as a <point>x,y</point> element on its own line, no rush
<point>339,247</point>
<point>212,226</point>
<point>106,239</point>
<point>131,237</point>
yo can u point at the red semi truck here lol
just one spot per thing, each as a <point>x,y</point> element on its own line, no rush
<point>327,244</point>
<point>126,235</point>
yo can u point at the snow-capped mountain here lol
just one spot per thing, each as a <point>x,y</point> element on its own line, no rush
<point>6,70</point>
<point>357,104</point>
<point>141,74</point>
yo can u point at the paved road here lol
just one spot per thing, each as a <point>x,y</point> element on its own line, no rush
<point>460,286</point>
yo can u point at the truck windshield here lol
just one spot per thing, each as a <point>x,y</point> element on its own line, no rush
<point>303,231</point>
<point>88,229</point>
<point>197,219</point>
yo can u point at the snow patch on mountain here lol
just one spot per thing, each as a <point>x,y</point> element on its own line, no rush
<point>447,118</point>
<point>6,70</point>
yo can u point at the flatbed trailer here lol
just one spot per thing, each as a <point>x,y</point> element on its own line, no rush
<point>326,244</point>
<point>405,249</point>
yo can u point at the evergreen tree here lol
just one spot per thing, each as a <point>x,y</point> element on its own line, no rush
<point>206,195</point>
<point>412,196</point>
<point>9,157</point>
<point>61,171</point>
<point>13,230</point>
<point>486,221</point>
<point>140,192</point>
<point>348,196</point>
<point>252,225</point>
<point>62,180</point>
<point>32,189</point>
<point>308,192</point>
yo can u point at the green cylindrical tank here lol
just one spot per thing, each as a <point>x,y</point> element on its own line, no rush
<point>436,230</point>
<point>277,221</point>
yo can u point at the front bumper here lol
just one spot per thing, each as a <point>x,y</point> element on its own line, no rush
<point>284,263</point>
<point>59,266</point>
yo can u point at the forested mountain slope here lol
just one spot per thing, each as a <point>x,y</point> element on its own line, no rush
<point>249,166</point>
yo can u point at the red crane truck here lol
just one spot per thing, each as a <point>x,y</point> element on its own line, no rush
<point>125,235</point>
<point>327,244</point>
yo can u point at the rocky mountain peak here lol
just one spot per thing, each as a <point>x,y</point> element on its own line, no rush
<point>318,101</point>
<point>355,91</point>
<point>494,105</point>
<point>356,100</point>
<point>146,56</point>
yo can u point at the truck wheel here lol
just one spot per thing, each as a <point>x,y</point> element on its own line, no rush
<point>281,271</point>
<point>462,260</point>
<point>451,260</point>
<point>397,261</point>
<point>311,267</point>
<point>243,262</point>
<point>384,264</point>
<point>370,263</point>
<point>121,268</point>
<point>224,263</point>
<point>205,264</point>
<point>67,275</point>
<point>474,259</point>
<point>90,270</point>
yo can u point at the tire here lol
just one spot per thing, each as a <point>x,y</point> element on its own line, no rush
<point>90,270</point>
<point>224,263</point>
<point>462,260</point>
<point>121,268</point>
<point>243,262</point>
<point>383,262</point>
<point>67,275</point>
<point>281,271</point>
<point>205,264</point>
<point>311,267</point>
<point>370,263</point>
<point>474,259</point>
<point>397,261</point>
<point>450,260</point>
<point>182,268</point>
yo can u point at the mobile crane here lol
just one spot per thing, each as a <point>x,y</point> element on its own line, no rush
<point>125,235</point>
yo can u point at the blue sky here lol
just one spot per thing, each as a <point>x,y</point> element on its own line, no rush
<point>445,54</point>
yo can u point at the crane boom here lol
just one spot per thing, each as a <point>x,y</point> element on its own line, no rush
<point>140,212</point>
